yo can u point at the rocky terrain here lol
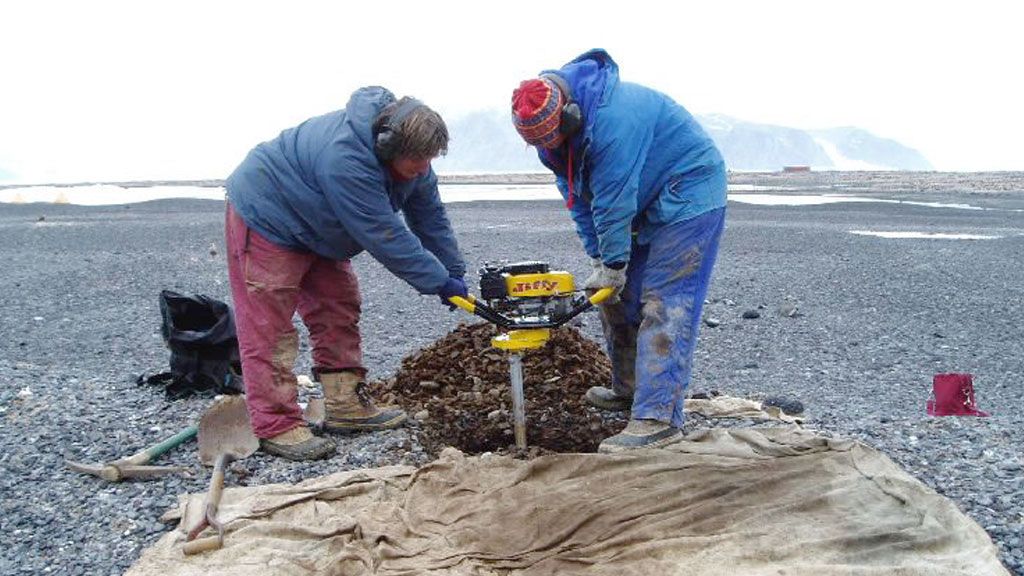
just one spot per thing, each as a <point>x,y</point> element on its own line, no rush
<point>855,326</point>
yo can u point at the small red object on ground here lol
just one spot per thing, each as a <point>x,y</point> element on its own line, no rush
<point>953,395</point>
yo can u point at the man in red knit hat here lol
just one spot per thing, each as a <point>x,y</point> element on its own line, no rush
<point>646,188</point>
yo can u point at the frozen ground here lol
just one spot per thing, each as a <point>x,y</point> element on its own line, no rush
<point>875,317</point>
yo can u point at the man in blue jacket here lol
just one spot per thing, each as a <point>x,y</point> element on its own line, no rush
<point>300,207</point>
<point>646,188</point>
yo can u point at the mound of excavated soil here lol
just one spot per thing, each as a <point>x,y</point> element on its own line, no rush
<point>459,389</point>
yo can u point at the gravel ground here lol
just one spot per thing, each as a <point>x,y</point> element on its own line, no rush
<point>854,326</point>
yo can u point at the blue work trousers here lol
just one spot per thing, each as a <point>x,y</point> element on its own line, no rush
<point>652,331</point>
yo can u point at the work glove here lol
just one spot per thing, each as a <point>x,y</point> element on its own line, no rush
<point>605,277</point>
<point>452,287</point>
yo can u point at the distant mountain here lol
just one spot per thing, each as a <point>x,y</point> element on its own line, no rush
<point>853,142</point>
<point>485,141</point>
<point>751,146</point>
<point>748,146</point>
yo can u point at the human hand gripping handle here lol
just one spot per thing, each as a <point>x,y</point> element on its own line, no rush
<point>452,287</point>
<point>605,276</point>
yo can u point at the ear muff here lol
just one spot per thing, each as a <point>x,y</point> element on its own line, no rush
<point>386,142</point>
<point>571,119</point>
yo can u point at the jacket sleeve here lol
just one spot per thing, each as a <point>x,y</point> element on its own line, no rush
<point>582,217</point>
<point>357,195</point>
<point>426,217</point>
<point>619,150</point>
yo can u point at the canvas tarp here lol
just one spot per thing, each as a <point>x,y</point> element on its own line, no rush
<point>733,407</point>
<point>754,501</point>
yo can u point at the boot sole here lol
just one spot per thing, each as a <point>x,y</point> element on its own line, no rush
<point>363,425</point>
<point>314,449</point>
<point>669,438</point>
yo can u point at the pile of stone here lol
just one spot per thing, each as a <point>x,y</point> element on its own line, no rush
<point>458,389</point>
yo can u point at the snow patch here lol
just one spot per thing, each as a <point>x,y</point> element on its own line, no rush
<point>818,199</point>
<point>924,235</point>
<point>841,162</point>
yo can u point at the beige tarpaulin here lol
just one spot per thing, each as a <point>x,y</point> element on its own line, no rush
<point>733,407</point>
<point>767,501</point>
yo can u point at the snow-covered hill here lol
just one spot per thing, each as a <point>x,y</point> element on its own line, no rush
<point>485,141</point>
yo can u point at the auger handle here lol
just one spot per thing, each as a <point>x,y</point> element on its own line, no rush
<point>470,304</point>
<point>600,296</point>
<point>591,301</point>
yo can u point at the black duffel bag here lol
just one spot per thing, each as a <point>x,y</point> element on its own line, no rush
<point>200,332</point>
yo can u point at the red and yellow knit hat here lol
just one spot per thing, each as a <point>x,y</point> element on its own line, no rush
<point>537,111</point>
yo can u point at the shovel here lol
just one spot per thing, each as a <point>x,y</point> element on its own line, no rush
<point>224,435</point>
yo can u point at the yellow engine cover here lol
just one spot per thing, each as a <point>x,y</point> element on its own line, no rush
<point>527,339</point>
<point>554,283</point>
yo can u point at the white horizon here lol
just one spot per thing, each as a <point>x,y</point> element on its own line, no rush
<point>114,90</point>
<point>113,195</point>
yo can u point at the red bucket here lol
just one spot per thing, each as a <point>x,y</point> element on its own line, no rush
<point>953,395</point>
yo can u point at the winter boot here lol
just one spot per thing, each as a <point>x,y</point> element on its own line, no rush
<point>641,434</point>
<point>298,444</point>
<point>607,399</point>
<point>349,407</point>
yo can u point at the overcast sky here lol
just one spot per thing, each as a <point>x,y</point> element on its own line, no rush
<point>97,90</point>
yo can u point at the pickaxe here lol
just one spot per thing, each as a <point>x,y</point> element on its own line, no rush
<point>135,466</point>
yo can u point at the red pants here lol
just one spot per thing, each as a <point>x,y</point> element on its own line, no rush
<point>268,285</point>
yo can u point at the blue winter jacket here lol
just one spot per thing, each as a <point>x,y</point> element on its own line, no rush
<point>320,188</point>
<point>641,161</point>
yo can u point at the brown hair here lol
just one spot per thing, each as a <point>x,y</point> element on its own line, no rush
<point>420,134</point>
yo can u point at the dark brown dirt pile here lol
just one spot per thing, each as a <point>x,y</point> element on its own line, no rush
<point>459,389</point>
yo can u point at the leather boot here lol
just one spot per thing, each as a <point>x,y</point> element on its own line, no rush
<point>641,433</point>
<point>606,399</point>
<point>298,444</point>
<point>349,408</point>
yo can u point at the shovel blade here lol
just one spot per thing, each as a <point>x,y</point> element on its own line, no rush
<point>224,429</point>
